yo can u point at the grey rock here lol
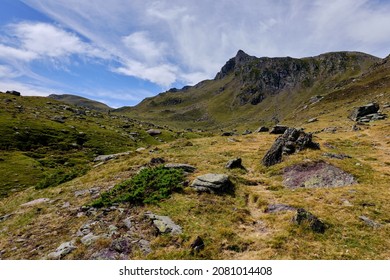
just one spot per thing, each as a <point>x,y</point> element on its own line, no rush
<point>337,156</point>
<point>35,202</point>
<point>127,222</point>
<point>246,132</point>
<point>369,222</point>
<point>315,99</point>
<point>292,140</point>
<point>235,163</point>
<point>63,250</point>
<point>197,245</point>
<point>278,129</point>
<point>362,111</point>
<point>106,254</point>
<point>89,239</point>
<point>312,120</point>
<point>185,167</point>
<point>110,157</point>
<point>274,208</point>
<point>59,119</point>
<point>153,132</point>
<point>5,217</point>
<point>144,246</point>
<point>262,129</point>
<point>157,160</point>
<point>212,183</point>
<point>227,133</point>
<point>164,224</point>
<point>121,245</point>
<point>302,216</point>
<point>318,174</point>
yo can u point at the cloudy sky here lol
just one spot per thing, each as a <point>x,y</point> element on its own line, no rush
<point>121,51</point>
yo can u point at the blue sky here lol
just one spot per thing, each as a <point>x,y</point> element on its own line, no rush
<point>121,51</point>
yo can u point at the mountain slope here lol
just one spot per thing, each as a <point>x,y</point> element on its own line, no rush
<point>81,101</point>
<point>250,91</point>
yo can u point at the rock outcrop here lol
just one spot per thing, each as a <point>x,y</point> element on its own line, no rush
<point>367,113</point>
<point>164,224</point>
<point>304,217</point>
<point>292,140</point>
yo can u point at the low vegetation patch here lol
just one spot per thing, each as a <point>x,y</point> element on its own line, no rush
<point>59,177</point>
<point>150,185</point>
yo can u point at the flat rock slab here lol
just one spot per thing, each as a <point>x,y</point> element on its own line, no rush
<point>63,250</point>
<point>35,202</point>
<point>185,167</point>
<point>275,208</point>
<point>110,157</point>
<point>211,183</point>
<point>316,175</point>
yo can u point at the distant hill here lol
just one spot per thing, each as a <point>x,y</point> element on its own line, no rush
<point>81,101</point>
<point>250,91</point>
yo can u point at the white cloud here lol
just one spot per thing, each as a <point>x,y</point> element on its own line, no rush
<point>144,48</point>
<point>168,41</point>
<point>10,53</point>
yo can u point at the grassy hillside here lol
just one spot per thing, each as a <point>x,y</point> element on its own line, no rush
<point>41,137</point>
<point>81,102</point>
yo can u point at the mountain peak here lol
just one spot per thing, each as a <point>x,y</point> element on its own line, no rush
<point>240,58</point>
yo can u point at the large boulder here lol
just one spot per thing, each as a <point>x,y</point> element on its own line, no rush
<point>292,140</point>
<point>367,113</point>
<point>213,183</point>
<point>13,92</point>
<point>153,132</point>
<point>235,163</point>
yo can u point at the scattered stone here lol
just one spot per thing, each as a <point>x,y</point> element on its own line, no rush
<point>346,203</point>
<point>66,204</point>
<point>330,129</point>
<point>315,99</point>
<point>233,140</point>
<point>316,175</point>
<point>235,163</point>
<point>312,120</point>
<point>275,208</point>
<point>157,161</point>
<point>59,119</point>
<point>139,150</point>
<point>227,133</point>
<point>369,222</point>
<point>110,157</point>
<point>302,216</point>
<point>144,246</point>
<point>185,167</point>
<point>153,132</point>
<point>197,245</point>
<point>292,140</point>
<point>63,250</point>
<point>355,128</point>
<point>363,111</point>
<point>5,217</point>
<point>121,245</point>
<point>212,183</point>
<point>106,254</point>
<point>262,129</point>
<point>35,202</point>
<point>89,239</point>
<point>278,129</point>
<point>164,224</point>
<point>338,156</point>
<point>127,222</point>
<point>246,132</point>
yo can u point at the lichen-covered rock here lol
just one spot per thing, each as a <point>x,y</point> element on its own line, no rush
<point>185,167</point>
<point>63,250</point>
<point>317,174</point>
<point>235,163</point>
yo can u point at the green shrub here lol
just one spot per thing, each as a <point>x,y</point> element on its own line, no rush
<point>150,185</point>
